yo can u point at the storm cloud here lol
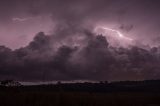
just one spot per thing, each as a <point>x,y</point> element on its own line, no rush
<point>40,61</point>
<point>72,49</point>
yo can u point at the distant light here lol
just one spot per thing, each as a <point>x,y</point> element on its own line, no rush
<point>20,19</point>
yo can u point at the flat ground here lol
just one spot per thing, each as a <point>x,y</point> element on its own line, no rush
<point>36,97</point>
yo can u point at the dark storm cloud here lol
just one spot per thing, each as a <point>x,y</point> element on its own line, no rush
<point>73,51</point>
<point>94,61</point>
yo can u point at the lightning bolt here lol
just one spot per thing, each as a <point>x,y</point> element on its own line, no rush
<point>117,32</point>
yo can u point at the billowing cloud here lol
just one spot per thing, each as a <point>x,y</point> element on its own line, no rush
<point>41,60</point>
<point>73,50</point>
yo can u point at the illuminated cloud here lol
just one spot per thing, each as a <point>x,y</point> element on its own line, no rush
<point>115,31</point>
<point>73,49</point>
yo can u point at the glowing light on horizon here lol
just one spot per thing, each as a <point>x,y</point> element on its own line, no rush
<point>116,31</point>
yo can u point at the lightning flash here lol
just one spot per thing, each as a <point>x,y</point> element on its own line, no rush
<point>115,31</point>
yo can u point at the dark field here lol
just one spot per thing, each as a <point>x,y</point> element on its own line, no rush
<point>78,99</point>
<point>85,94</point>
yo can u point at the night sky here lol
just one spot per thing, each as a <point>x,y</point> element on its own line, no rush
<point>45,40</point>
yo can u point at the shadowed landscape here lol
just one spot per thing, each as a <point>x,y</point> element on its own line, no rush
<point>124,93</point>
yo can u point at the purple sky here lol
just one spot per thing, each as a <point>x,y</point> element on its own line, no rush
<point>22,19</point>
<point>61,39</point>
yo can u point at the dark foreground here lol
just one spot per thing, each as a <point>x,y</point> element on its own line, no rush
<point>83,94</point>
